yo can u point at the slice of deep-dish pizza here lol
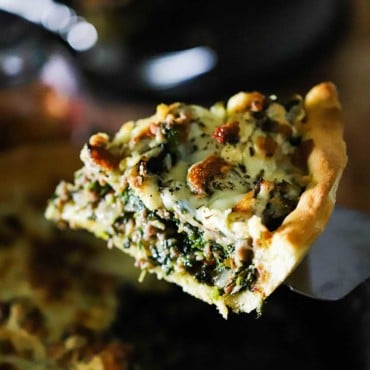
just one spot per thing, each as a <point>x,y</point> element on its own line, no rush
<point>224,202</point>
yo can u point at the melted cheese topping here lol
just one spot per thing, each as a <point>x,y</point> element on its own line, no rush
<point>201,164</point>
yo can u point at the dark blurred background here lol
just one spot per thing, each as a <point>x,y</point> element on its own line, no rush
<point>70,68</point>
<point>160,49</point>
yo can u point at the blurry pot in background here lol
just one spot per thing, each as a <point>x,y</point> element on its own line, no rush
<point>188,49</point>
<point>39,86</point>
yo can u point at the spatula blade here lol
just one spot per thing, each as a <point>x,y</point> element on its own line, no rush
<point>340,259</point>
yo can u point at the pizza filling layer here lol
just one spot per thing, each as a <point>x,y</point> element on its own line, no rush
<point>192,189</point>
<point>159,239</point>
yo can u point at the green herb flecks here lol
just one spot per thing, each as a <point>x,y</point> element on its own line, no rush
<point>100,190</point>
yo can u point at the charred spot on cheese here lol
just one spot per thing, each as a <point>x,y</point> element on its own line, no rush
<point>102,157</point>
<point>200,174</point>
<point>227,133</point>
<point>193,190</point>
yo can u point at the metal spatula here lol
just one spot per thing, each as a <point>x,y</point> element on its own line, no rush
<point>340,259</point>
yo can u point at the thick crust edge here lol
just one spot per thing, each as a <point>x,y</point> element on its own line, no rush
<point>326,162</point>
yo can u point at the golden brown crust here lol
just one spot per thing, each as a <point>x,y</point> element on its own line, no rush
<point>326,162</point>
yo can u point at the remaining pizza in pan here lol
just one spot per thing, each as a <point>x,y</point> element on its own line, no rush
<point>224,202</point>
<point>56,306</point>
